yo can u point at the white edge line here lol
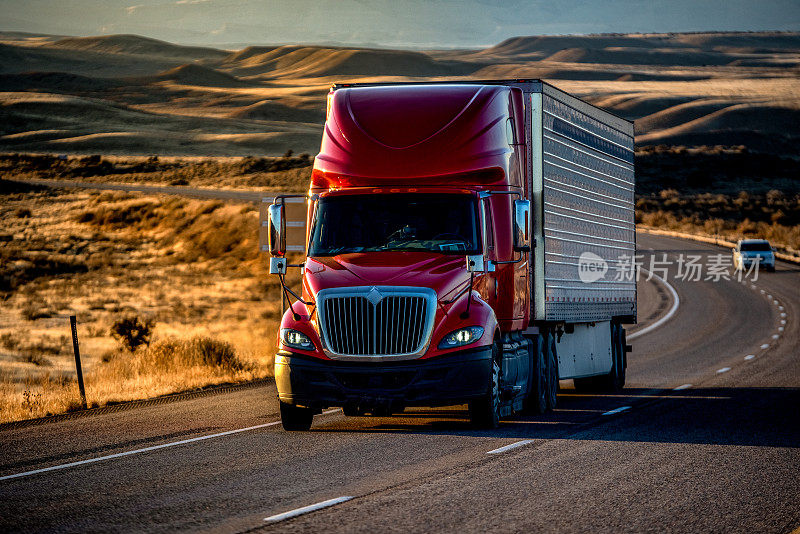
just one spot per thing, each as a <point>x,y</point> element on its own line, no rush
<point>306,509</point>
<point>684,386</point>
<point>511,446</point>
<point>617,410</point>
<point>676,301</point>
<point>146,449</point>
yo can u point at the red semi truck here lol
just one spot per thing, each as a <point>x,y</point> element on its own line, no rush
<point>466,243</point>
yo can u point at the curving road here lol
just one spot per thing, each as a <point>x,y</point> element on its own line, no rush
<point>702,439</point>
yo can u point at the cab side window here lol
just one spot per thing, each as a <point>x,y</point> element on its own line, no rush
<point>488,225</point>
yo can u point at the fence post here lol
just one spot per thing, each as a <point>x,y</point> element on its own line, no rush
<point>73,325</point>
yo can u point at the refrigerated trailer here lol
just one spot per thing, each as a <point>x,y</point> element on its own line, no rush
<point>465,243</point>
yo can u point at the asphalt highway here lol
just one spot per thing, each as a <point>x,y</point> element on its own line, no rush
<point>704,438</point>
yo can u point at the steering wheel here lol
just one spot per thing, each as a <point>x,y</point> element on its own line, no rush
<point>449,235</point>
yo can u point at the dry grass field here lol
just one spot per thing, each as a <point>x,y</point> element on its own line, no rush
<point>716,118</point>
<point>192,267</point>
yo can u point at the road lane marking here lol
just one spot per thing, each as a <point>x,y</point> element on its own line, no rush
<point>306,509</point>
<point>780,329</point>
<point>780,308</point>
<point>763,291</point>
<point>753,286</point>
<point>723,370</point>
<point>775,302</point>
<point>676,301</point>
<point>511,446</point>
<point>783,321</point>
<point>783,315</point>
<point>749,356</point>
<point>769,296</point>
<point>145,449</point>
<point>765,346</point>
<point>775,336</point>
<point>617,410</point>
<point>679,388</point>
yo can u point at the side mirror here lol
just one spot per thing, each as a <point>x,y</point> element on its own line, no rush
<point>522,236</point>
<point>475,264</point>
<point>277,229</point>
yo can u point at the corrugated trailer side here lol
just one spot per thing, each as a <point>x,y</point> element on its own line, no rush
<point>582,186</point>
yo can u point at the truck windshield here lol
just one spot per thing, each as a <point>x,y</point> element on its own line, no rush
<point>444,223</point>
<point>756,247</point>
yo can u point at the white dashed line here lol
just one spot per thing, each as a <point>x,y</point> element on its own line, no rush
<point>780,308</point>
<point>765,346</point>
<point>780,329</point>
<point>753,286</point>
<point>775,302</point>
<point>749,356</point>
<point>769,296</point>
<point>783,321</point>
<point>511,446</point>
<point>763,291</point>
<point>617,410</point>
<point>723,370</point>
<point>306,509</point>
<point>679,388</point>
<point>775,336</point>
<point>783,315</point>
<point>146,449</point>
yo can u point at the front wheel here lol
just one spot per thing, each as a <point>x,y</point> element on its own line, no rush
<point>295,417</point>
<point>485,412</point>
<point>551,359</point>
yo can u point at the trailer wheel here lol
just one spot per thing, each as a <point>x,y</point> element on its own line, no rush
<point>536,401</point>
<point>552,371</point>
<point>295,417</point>
<point>485,412</point>
<point>622,357</point>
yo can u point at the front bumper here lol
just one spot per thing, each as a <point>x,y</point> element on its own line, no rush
<point>389,386</point>
<point>763,262</point>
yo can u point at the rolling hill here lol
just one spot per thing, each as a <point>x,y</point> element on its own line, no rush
<point>135,95</point>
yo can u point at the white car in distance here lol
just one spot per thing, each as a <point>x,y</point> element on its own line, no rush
<point>747,251</point>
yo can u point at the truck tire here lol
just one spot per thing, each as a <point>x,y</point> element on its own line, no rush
<point>551,365</point>
<point>622,358</point>
<point>295,417</point>
<point>536,401</point>
<point>485,412</point>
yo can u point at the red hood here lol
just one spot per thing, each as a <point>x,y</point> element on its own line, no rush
<point>442,273</point>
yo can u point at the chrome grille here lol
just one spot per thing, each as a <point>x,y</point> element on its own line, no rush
<point>376,321</point>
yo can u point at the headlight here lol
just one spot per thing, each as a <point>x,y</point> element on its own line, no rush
<point>461,337</point>
<point>295,339</point>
